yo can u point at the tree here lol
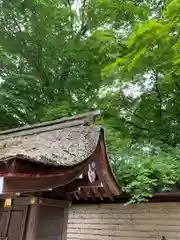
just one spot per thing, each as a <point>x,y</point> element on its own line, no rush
<point>60,50</point>
<point>151,119</point>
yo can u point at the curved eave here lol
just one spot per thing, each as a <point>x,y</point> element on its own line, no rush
<point>108,174</point>
<point>22,175</point>
<point>106,186</point>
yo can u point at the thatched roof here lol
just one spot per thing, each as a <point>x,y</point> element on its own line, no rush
<point>64,143</point>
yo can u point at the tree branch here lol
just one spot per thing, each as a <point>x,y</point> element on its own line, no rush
<point>136,126</point>
<point>137,3</point>
<point>69,3</point>
<point>158,94</point>
<point>83,24</point>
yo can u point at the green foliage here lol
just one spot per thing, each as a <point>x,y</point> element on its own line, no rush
<point>144,174</point>
<point>151,119</point>
<point>59,59</point>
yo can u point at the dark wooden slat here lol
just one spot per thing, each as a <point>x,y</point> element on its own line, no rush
<point>4,222</point>
<point>76,195</point>
<point>83,193</point>
<point>100,193</point>
<point>95,190</point>
<point>2,201</point>
<point>92,194</point>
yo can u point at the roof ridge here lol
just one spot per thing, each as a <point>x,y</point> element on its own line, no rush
<point>65,122</point>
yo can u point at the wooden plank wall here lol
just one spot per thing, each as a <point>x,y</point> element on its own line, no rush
<point>50,223</point>
<point>149,221</point>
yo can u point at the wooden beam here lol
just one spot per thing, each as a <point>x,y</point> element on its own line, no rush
<point>82,183</point>
<point>53,202</point>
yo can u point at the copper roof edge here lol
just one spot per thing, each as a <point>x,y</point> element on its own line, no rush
<point>65,122</point>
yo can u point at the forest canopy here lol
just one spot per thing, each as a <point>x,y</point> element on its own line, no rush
<point>64,57</point>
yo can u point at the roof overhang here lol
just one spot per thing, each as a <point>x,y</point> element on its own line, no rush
<point>68,154</point>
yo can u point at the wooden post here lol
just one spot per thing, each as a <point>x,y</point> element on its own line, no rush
<point>65,222</point>
<point>2,201</point>
<point>32,222</point>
